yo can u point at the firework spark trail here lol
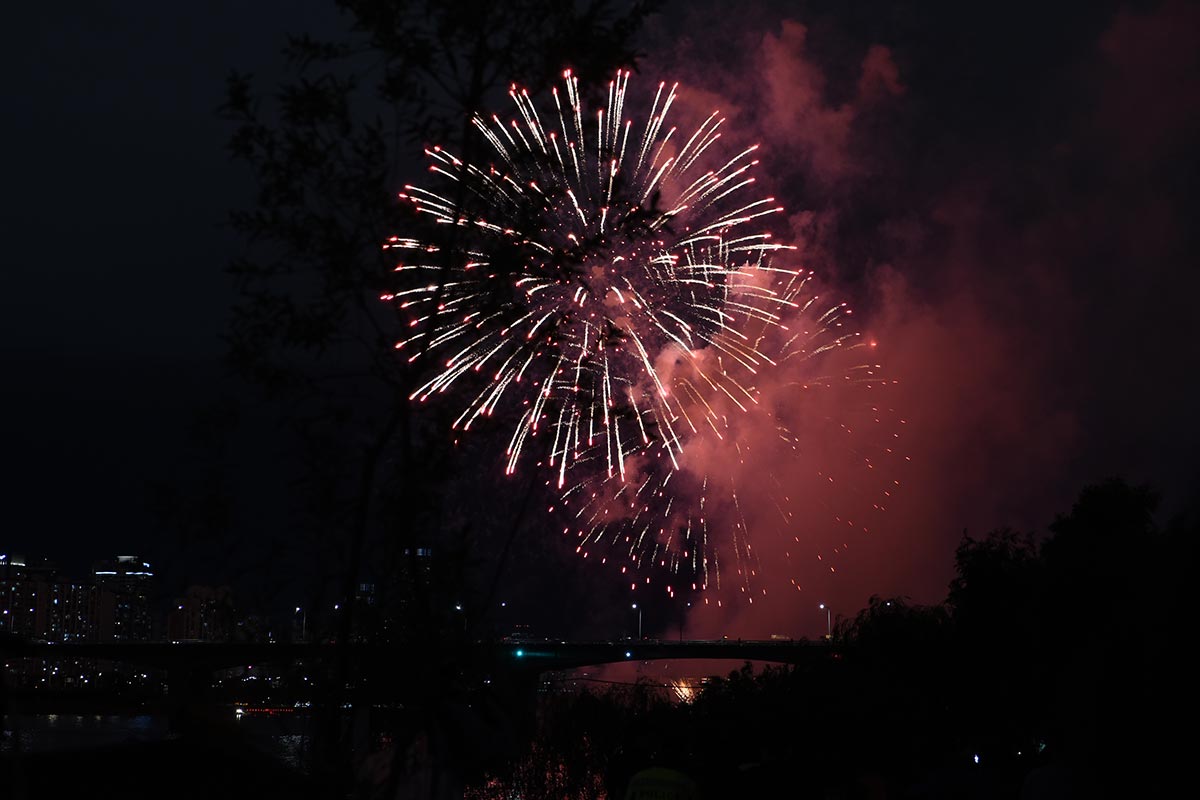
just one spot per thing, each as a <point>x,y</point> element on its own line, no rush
<point>814,344</point>
<point>621,294</point>
<point>593,274</point>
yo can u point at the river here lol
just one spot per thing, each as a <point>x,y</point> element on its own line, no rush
<point>283,736</point>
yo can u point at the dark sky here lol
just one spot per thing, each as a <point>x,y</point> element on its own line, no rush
<point>1007,194</point>
<point>118,190</point>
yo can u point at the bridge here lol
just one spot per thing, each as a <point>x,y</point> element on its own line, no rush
<point>548,656</point>
<point>518,656</point>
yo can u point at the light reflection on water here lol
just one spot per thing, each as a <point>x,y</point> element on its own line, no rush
<point>36,733</point>
<point>282,737</point>
<point>291,749</point>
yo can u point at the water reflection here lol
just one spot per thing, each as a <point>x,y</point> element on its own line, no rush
<point>284,738</point>
<point>37,733</point>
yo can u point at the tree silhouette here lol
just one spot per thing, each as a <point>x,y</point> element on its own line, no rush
<point>987,695</point>
<point>327,157</point>
<point>1066,647</point>
<point>327,150</point>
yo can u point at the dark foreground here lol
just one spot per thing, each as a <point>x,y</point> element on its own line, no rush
<point>170,769</point>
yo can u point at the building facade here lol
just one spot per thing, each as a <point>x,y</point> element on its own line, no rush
<point>121,600</point>
<point>203,614</point>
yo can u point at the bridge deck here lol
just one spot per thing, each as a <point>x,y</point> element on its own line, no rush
<point>539,655</point>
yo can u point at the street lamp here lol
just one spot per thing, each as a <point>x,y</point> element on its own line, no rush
<point>681,618</point>
<point>828,626</point>
<point>635,608</point>
<point>303,621</point>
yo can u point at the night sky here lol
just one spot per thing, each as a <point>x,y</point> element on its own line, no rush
<point>1007,195</point>
<point>119,192</point>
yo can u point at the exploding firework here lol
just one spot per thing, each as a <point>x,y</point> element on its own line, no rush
<point>590,260</point>
<point>609,285</point>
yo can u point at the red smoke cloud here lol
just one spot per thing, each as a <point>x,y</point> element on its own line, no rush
<point>1013,277</point>
<point>795,114</point>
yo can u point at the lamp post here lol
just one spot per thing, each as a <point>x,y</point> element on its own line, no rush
<point>828,625</point>
<point>303,621</point>
<point>635,608</point>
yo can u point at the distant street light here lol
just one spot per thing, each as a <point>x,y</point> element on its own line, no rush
<point>635,608</point>
<point>681,618</point>
<point>303,621</point>
<point>828,623</point>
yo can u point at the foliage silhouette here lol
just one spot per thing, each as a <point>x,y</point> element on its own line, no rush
<point>374,484</point>
<point>997,692</point>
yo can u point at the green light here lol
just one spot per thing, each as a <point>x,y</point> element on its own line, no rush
<point>520,653</point>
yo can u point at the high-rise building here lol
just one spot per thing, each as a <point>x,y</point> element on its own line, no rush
<point>203,614</point>
<point>18,598</point>
<point>120,602</point>
<point>368,625</point>
<point>39,604</point>
<point>72,620</point>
